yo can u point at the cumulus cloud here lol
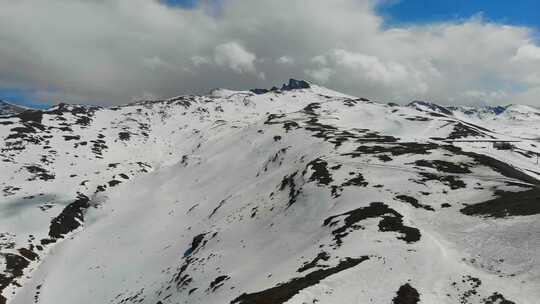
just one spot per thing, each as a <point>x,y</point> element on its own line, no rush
<point>199,60</point>
<point>154,63</point>
<point>236,57</point>
<point>371,67</point>
<point>527,52</point>
<point>321,75</point>
<point>481,97</point>
<point>285,60</point>
<point>112,51</point>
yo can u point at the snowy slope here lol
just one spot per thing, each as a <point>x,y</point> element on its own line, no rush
<point>293,195</point>
<point>519,121</point>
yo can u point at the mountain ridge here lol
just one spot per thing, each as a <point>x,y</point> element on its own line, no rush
<point>7,108</point>
<point>290,196</point>
<point>295,84</point>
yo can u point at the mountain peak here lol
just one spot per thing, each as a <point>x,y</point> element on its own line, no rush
<point>295,84</point>
<point>292,84</point>
<point>426,105</point>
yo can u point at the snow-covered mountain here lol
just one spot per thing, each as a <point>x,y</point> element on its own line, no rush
<point>7,108</point>
<point>292,195</point>
<point>509,112</point>
<point>519,121</point>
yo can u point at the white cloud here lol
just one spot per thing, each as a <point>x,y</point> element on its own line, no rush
<point>371,66</point>
<point>285,60</point>
<point>533,79</point>
<point>108,51</point>
<point>236,57</point>
<point>319,59</point>
<point>200,60</point>
<point>154,63</point>
<point>481,97</point>
<point>321,75</point>
<point>371,71</point>
<point>527,52</point>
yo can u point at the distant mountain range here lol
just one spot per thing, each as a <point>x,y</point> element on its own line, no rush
<point>518,112</point>
<point>7,108</point>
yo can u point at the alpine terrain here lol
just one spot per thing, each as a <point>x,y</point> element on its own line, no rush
<point>7,108</point>
<point>297,194</point>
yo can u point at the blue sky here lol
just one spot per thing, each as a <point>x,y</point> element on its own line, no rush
<point>183,3</point>
<point>21,97</point>
<point>516,12</point>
